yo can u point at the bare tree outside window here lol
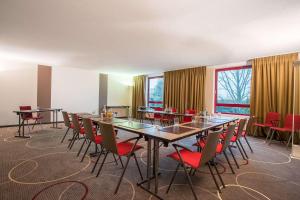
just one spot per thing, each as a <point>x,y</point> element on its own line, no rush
<point>233,90</point>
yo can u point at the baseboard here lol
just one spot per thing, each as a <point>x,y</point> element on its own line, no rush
<point>31,124</point>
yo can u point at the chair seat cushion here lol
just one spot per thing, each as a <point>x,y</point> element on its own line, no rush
<point>282,129</point>
<point>71,126</point>
<point>262,125</point>
<point>124,148</point>
<point>233,139</point>
<point>190,158</point>
<point>98,139</point>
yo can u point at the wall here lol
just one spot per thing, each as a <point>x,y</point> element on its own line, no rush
<point>75,90</point>
<point>18,86</point>
<point>119,90</point>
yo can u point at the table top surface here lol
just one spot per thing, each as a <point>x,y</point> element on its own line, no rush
<point>164,112</point>
<point>37,110</point>
<point>169,133</point>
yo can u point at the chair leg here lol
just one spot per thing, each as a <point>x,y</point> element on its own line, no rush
<point>138,166</point>
<point>73,141</point>
<point>115,159</point>
<point>86,151</point>
<point>272,135</point>
<point>212,174</point>
<point>173,177</point>
<point>243,148</point>
<point>268,135</point>
<point>228,162</point>
<point>65,135</point>
<point>239,148</point>
<point>236,163</point>
<point>255,131</point>
<point>97,160</point>
<point>289,141</point>
<point>102,164</point>
<point>189,181</point>
<point>34,124</point>
<point>122,175</point>
<point>248,143</point>
<point>81,147</point>
<point>218,173</point>
<point>121,161</point>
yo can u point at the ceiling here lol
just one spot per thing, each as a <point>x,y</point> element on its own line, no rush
<point>146,36</point>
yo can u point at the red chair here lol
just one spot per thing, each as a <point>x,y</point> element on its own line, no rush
<point>270,119</point>
<point>122,149</point>
<point>222,146</point>
<point>287,127</point>
<point>249,126</point>
<point>91,136</point>
<point>78,130</point>
<point>188,118</point>
<point>194,159</point>
<point>157,115</point>
<point>67,123</point>
<point>29,116</point>
<point>236,138</point>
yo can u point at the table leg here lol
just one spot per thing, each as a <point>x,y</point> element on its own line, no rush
<point>149,162</point>
<point>156,163</point>
<point>19,130</point>
<point>53,119</point>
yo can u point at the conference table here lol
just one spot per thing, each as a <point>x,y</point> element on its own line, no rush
<point>155,135</point>
<point>21,123</point>
<point>142,112</point>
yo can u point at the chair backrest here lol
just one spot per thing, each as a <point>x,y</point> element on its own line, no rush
<point>75,122</point>
<point>109,137</point>
<point>241,127</point>
<point>88,129</point>
<point>189,118</point>
<point>228,136</point>
<point>209,150</point>
<point>156,115</point>
<point>291,120</point>
<point>272,116</point>
<point>26,115</point>
<point>250,123</point>
<point>66,119</point>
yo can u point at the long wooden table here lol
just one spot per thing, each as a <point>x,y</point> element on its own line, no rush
<point>166,135</point>
<point>142,112</point>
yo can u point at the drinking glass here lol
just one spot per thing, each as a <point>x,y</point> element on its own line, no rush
<point>176,121</point>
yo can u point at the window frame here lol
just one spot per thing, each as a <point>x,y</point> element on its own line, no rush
<point>148,92</point>
<point>216,91</point>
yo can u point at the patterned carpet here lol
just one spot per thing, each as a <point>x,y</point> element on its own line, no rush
<point>42,168</point>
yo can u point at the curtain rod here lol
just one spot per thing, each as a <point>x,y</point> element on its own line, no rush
<point>273,55</point>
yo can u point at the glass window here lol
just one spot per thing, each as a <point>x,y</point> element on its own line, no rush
<point>232,94</point>
<point>155,91</point>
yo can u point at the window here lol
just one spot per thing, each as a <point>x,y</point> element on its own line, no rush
<point>155,91</point>
<point>232,93</point>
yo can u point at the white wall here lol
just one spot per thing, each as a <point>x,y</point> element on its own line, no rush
<point>75,90</point>
<point>18,86</point>
<point>119,90</point>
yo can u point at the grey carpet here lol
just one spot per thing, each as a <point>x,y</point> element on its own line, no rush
<point>42,168</point>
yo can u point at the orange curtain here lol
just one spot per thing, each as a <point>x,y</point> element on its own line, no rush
<point>138,93</point>
<point>184,89</point>
<point>272,85</point>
